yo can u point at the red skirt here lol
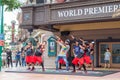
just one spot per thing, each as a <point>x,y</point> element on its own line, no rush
<point>30,59</point>
<point>61,61</point>
<point>75,60</point>
<point>85,59</point>
<point>38,59</point>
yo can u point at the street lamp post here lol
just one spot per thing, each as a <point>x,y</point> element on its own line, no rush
<point>1,29</point>
<point>13,29</point>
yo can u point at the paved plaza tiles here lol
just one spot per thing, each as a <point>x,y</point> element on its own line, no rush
<point>51,74</point>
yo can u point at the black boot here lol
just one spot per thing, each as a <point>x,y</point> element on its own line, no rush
<point>60,66</point>
<point>73,68</point>
<point>42,64</point>
<point>84,67</point>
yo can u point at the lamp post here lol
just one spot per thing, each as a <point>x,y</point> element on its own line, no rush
<point>13,29</point>
<point>30,31</point>
<point>31,39</point>
<point>1,29</point>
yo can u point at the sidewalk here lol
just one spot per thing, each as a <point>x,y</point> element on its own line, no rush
<point>27,76</point>
<point>33,76</point>
<point>16,68</point>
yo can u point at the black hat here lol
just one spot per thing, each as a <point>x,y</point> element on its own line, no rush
<point>86,43</point>
<point>67,40</point>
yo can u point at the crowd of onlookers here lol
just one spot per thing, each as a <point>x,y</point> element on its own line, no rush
<point>13,58</point>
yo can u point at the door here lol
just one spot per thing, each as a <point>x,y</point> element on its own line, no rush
<point>115,53</point>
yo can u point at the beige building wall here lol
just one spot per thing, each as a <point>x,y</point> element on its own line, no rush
<point>49,62</point>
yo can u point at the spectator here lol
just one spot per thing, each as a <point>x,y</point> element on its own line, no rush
<point>13,57</point>
<point>107,58</point>
<point>23,58</point>
<point>4,59</point>
<point>18,58</point>
<point>9,57</point>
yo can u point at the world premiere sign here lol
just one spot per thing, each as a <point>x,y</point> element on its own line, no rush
<point>88,11</point>
<point>85,13</point>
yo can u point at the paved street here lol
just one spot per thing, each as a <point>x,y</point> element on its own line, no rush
<point>25,76</point>
<point>33,76</point>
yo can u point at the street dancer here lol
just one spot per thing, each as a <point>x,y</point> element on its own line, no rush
<point>62,54</point>
<point>76,51</point>
<point>29,56</point>
<point>38,54</point>
<point>82,57</point>
<point>91,45</point>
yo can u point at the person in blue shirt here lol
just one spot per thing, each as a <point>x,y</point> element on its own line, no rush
<point>76,49</point>
<point>107,58</point>
<point>23,57</point>
<point>18,58</point>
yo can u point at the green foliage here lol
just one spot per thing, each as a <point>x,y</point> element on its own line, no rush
<point>11,4</point>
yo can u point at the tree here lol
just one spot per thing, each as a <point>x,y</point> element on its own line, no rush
<point>11,4</point>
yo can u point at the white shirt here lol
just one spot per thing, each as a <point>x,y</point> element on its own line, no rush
<point>4,55</point>
<point>107,55</point>
<point>64,50</point>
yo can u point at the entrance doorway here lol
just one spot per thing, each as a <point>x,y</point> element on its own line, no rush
<point>115,53</point>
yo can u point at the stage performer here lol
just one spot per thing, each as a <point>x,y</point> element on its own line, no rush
<point>82,57</point>
<point>29,56</point>
<point>38,54</point>
<point>62,54</point>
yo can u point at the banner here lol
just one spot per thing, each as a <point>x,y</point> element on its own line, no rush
<point>1,39</point>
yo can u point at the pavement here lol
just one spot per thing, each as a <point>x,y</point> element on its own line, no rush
<point>28,76</point>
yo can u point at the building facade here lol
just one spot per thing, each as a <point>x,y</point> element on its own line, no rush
<point>90,19</point>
